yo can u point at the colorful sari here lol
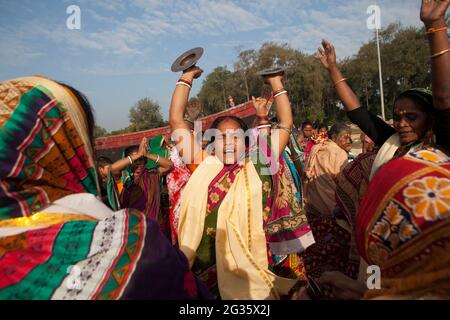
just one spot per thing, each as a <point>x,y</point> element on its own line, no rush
<point>144,194</point>
<point>293,175</point>
<point>176,180</point>
<point>241,230</point>
<point>351,188</point>
<point>57,240</point>
<point>403,226</point>
<point>110,192</point>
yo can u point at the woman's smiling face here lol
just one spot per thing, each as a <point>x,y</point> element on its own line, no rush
<point>410,121</point>
<point>230,142</point>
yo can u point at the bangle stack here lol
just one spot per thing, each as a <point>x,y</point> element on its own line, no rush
<point>279,92</point>
<point>434,30</point>
<point>264,126</point>
<point>184,82</point>
<point>157,159</point>
<point>131,160</point>
<point>263,120</point>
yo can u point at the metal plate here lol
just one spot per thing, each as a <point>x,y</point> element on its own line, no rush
<point>269,72</point>
<point>187,60</point>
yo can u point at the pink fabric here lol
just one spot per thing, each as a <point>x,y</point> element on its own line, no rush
<point>176,180</point>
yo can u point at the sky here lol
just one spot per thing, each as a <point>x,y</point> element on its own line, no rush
<point>124,49</point>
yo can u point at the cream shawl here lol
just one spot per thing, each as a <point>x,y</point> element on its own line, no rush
<point>241,249</point>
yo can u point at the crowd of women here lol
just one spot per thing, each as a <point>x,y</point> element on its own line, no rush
<point>265,211</point>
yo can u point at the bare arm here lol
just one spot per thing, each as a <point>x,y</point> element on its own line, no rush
<point>433,16</point>
<point>165,165</point>
<point>280,136</point>
<point>327,55</point>
<point>118,166</point>
<point>180,129</point>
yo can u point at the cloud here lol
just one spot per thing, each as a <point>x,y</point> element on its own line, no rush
<point>14,52</point>
<point>343,23</point>
<point>114,71</point>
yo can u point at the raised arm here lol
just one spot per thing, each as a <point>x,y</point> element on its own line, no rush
<point>433,16</point>
<point>327,55</point>
<point>118,166</point>
<point>165,165</point>
<point>184,139</point>
<point>369,123</point>
<point>280,134</point>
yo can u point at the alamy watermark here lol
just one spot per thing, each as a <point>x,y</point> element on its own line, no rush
<point>73,22</point>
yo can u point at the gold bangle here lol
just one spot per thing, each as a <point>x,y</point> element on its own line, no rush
<point>279,126</point>
<point>434,30</point>
<point>440,53</point>
<point>342,80</point>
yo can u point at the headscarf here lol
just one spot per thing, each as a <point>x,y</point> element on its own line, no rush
<point>46,153</point>
<point>155,146</point>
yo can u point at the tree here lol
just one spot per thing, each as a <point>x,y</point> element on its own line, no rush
<point>100,132</point>
<point>215,90</point>
<point>145,115</point>
<point>404,54</point>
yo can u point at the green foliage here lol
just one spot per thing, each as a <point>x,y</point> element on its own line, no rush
<point>404,54</point>
<point>100,132</point>
<point>145,115</point>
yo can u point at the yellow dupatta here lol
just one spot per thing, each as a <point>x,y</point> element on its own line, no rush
<point>241,249</point>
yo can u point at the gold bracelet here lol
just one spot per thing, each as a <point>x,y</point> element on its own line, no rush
<point>284,128</point>
<point>440,53</point>
<point>434,30</point>
<point>342,80</point>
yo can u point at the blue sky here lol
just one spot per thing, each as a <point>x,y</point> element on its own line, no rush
<point>124,49</point>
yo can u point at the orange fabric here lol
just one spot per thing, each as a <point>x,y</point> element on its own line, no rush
<point>403,226</point>
<point>193,166</point>
<point>323,168</point>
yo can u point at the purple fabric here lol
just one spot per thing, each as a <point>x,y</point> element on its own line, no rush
<point>144,196</point>
<point>162,272</point>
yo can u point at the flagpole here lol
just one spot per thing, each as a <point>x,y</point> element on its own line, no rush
<point>383,114</point>
<point>381,77</point>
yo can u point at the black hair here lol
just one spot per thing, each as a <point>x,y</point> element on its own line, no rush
<point>103,161</point>
<point>219,120</point>
<point>421,98</point>
<point>321,125</point>
<point>338,128</point>
<point>129,150</point>
<point>87,108</point>
<point>307,123</point>
<point>239,121</point>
